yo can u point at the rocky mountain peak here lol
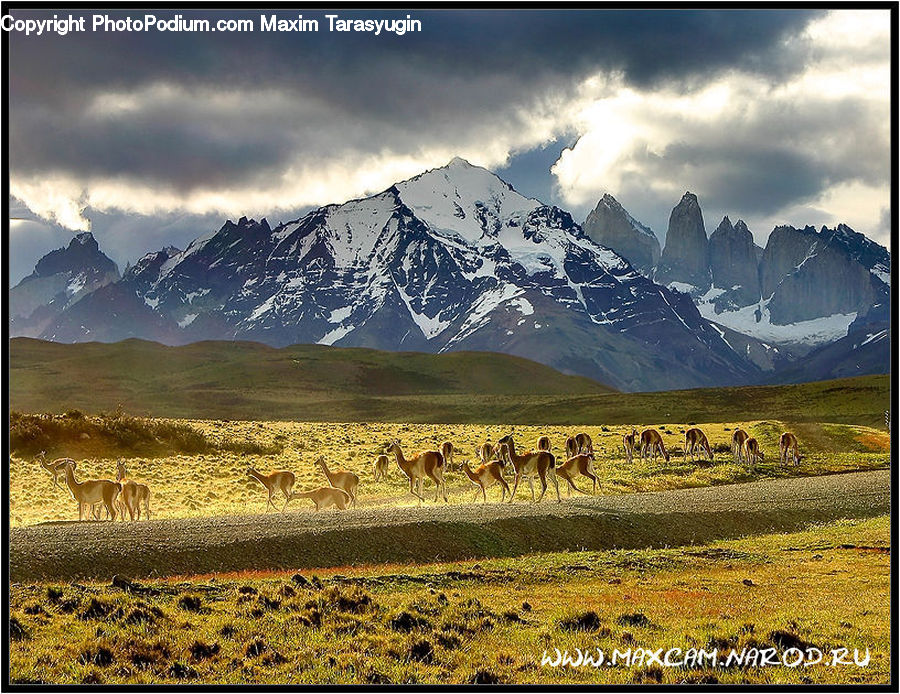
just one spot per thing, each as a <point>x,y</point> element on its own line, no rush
<point>82,254</point>
<point>610,225</point>
<point>733,265</point>
<point>59,279</point>
<point>685,258</point>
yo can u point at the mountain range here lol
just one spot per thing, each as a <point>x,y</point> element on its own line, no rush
<point>456,259</point>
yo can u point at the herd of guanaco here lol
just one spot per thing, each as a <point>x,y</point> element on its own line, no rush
<point>128,496</point>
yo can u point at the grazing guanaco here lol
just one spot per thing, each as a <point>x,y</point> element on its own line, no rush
<point>486,475</point>
<point>543,443</point>
<point>581,464</point>
<point>282,480</point>
<point>752,452</point>
<point>695,442</point>
<point>54,467</point>
<point>584,443</point>
<point>629,441</point>
<point>529,464</point>
<point>341,479</point>
<point>447,450</point>
<point>90,492</point>
<point>787,444</point>
<point>382,463</point>
<point>651,442</point>
<point>323,497</point>
<point>571,446</point>
<point>424,463</point>
<point>738,438</point>
<point>134,494</point>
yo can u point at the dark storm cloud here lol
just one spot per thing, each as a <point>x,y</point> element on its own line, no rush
<point>782,154</point>
<point>342,92</point>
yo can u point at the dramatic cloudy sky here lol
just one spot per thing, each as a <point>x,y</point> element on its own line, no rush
<point>150,139</point>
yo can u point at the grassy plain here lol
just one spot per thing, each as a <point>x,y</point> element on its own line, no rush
<point>216,483</point>
<point>826,587</point>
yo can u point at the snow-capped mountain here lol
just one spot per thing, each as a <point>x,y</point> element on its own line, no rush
<point>813,285</point>
<point>59,279</point>
<point>453,259</point>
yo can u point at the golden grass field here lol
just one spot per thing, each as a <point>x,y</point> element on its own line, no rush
<point>208,485</point>
<point>826,587</point>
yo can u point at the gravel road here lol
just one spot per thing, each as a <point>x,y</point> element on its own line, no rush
<point>302,539</point>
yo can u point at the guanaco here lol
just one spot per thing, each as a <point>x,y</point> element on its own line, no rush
<point>543,443</point>
<point>90,492</point>
<point>571,446</point>
<point>382,463</point>
<point>323,497</point>
<point>341,479</point>
<point>486,475</point>
<point>529,464</point>
<point>425,463</point>
<point>581,464</point>
<point>629,441</point>
<point>738,438</point>
<point>651,442</point>
<point>584,443</point>
<point>282,480</point>
<point>134,494</point>
<point>695,442</point>
<point>54,467</point>
<point>787,445</point>
<point>447,450</point>
<point>753,454</point>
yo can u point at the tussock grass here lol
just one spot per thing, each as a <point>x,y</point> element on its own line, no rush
<point>488,621</point>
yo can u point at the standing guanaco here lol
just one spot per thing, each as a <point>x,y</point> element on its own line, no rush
<point>581,464</point>
<point>134,494</point>
<point>738,438</point>
<point>532,463</point>
<point>382,464</point>
<point>630,441</point>
<point>341,479</point>
<point>89,492</point>
<point>282,480</point>
<point>487,475</point>
<point>788,445</point>
<point>425,463</point>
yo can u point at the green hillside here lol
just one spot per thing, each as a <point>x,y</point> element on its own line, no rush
<point>243,380</point>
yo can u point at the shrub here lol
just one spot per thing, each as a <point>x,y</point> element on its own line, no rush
<point>115,433</point>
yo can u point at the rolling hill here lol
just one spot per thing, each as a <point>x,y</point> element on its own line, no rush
<point>246,380</point>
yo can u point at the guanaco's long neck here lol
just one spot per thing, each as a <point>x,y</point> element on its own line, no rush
<point>325,469</point>
<point>471,475</point>
<point>74,485</point>
<point>514,458</point>
<point>259,477</point>
<point>401,461</point>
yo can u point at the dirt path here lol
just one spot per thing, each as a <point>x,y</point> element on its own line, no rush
<point>431,533</point>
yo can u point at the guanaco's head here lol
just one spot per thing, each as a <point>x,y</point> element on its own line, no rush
<point>121,473</point>
<point>320,461</point>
